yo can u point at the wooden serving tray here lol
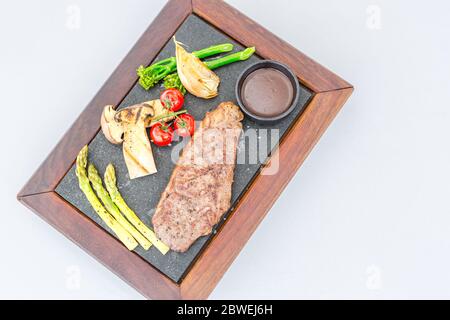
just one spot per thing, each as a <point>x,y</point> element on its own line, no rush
<point>53,192</point>
<point>256,143</point>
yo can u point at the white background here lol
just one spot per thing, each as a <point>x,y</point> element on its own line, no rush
<point>367,215</point>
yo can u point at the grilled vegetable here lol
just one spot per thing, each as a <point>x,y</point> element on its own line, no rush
<point>151,75</point>
<point>128,125</point>
<point>195,76</point>
<point>165,69</point>
<point>173,81</point>
<point>160,112</point>
<point>136,147</point>
<point>184,125</point>
<point>123,235</point>
<point>231,58</point>
<point>97,184</point>
<point>112,130</point>
<point>167,116</point>
<point>161,134</point>
<point>110,182</point>
<point>172,99</point>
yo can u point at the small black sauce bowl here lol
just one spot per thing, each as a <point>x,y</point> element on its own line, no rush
<point>268,64</point>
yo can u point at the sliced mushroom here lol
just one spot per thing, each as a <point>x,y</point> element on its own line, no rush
<point>128,125</point>
<point>136,146</point>
<point>159,109</point>
<point>112,130</point>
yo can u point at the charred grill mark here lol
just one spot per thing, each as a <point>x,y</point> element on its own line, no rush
<point>138,116</point>
<point>130,155</point>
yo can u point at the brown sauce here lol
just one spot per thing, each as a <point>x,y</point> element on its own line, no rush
<point>267,92</point>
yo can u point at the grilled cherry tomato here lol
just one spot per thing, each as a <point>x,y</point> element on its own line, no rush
<point>172,99</point>
<point>184,125</point>
<point>161,134</point>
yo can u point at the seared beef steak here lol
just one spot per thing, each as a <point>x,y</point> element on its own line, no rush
<point>199,190</point>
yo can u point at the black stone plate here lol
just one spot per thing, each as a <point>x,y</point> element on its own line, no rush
<point>143,194</point>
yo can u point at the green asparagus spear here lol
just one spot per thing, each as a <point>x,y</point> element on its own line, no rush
<point>151,75</point>
<point>85,186</point>
<point>97,184</point>
<point>111,186</point>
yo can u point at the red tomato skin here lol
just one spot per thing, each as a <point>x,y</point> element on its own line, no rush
<point>174,98</point>
<point>189,127</point>
<point>161,135</point>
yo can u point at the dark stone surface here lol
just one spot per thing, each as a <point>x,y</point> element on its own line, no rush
<point>143,194</point>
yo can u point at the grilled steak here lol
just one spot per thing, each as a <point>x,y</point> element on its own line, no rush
<point>199,190</point>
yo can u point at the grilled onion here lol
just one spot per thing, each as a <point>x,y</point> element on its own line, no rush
<point>195,75</point>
